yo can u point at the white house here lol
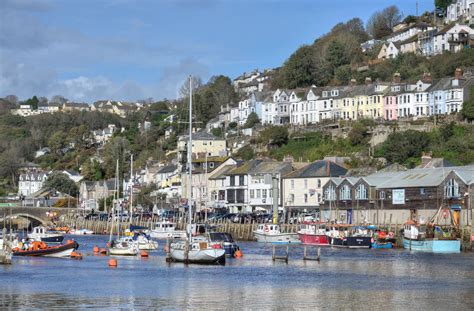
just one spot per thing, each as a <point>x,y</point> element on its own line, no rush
<point>31,182</point>
<point>74,176</point>
<point>460,10</point>
<point>389,50</point>
<point>452,38</point>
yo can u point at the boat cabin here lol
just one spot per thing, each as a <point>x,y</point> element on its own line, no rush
<point>414,232</point>
<point>268,228</point>
<point>165,226</point>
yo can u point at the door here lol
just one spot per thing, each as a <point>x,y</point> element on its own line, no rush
<point>349,216</point>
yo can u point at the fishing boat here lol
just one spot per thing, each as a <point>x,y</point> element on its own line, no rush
<point>381,238</point>
<point>337,234</point>
<point>313,234</point>
<point>271,233</point>
<point>421,237</point>
<point>359,237</point>
<point>195,249</point>
<point>165,230</point>
<point>38,249</point>
<point>431,237</point>
<point>42,234</point>
<point>227,242</point>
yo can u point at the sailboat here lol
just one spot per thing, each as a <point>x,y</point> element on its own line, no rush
<point>120,247</point>
<point>198,249</point>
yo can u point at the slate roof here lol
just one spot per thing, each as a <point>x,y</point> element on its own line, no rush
<point>167,169</point>
<point>245,168</point>
<point>268,167</point>
<point>224,171</point>
<point>201,135</point>
<point>320,168</point>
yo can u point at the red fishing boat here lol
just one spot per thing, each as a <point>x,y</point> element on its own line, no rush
<point>313,234</point>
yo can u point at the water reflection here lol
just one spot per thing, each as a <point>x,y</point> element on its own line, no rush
<point>344,279</point>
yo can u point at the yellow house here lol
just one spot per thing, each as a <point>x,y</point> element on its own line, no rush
<point>203,144</point>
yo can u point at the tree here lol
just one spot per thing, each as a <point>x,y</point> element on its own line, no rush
<point>217,132</point>
<point>245,153</point>
<point>381,23</point>
<point>57,142</point>
<point>275,135</point>
<point>343,74</point>
<point>443,4</point>
<point>404,147</point>
<point>252,120</point>
<point>61,182</point>
<point>33,102</point>
<point>358,134</point>
<point>91,170</point>
<point>467,110</point>
<point>13,99</point>
<point>233,125</point>
<point>410,19</point>
<point>196,84</point>
<point>58,99</point>
<point>297,70</point>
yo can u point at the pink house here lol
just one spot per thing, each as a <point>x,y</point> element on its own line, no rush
<point>390,105</point>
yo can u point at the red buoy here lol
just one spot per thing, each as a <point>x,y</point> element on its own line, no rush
<point>113,263</point>
<point>144,254</point>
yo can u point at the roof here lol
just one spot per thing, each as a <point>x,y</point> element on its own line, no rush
<point>210,159</point>
<point>320,168</point>
<point>424,177</point>
<point>201,135</point>
<point>224,171</point>
<point>245,168</point>
<point>271,167</point>
<point>167,169</point>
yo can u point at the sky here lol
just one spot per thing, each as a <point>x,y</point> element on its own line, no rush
<point>88,50</point>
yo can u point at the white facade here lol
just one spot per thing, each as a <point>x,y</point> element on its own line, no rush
<point>31,182</point>
<point>452,39</point>
<point>460,10</point>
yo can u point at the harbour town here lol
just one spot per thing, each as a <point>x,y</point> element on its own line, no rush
<point>338,177</point>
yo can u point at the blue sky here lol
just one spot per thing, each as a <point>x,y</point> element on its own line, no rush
<point>88,50</point>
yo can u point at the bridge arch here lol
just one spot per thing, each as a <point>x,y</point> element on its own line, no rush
<point>34,220</point>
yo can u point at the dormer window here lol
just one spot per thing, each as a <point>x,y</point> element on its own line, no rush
<point>334,92</point>
<point>325,93</point>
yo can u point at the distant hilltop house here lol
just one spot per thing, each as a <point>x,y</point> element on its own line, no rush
<point>102,136</point>
<point>121,109</point>
<point>253,81</point>
<point>460,10</point>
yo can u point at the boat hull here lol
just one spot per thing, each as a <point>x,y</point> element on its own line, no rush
<point>200,256</point>
<point>314,239</point>
<point>433,245</point>
<point>148,246</point>
<point>123,251</point>
<point>59,251</point>
<point>337,242</point>
<point>358,241</point>
<point>168,235</point>
<point>382,245</point>
<point>281,238</point>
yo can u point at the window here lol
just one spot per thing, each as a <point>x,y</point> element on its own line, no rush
<point>306,184</point>
<point>232,180</point>
<point>292,184</point>
<point>241,180</point>
<point>252,194</point>
<point>258,193</point>
<point>319,183</point>
<point>319,197</point>
<point>305,198</point>
<point>264,193</point>
<point>361,192</point>
<point>345,193</point>
<point>291,198</point>
<point>422,191</point>
<point>382,195</point>
<point>452,189</point>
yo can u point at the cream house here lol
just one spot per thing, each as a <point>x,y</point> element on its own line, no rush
<point>303,189</point>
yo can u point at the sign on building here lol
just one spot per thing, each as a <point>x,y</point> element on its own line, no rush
<point>398,196</point>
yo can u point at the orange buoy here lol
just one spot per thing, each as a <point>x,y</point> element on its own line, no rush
<point>76,255</point>
<point>113,262</point>
<point>103,251</point>
<point>107,245</point>
<point>238,254</point>
<point>144,254</point>
<point>95,249</point>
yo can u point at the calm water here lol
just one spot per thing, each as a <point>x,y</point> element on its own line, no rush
<point>344,279</point>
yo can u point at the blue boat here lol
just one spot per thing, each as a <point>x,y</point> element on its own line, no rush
<point>416,238</point>
<point>382,245</point>
<point>433,245</point>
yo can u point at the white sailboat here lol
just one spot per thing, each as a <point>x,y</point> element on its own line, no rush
<point>120,247</point>
<point>199,249</point>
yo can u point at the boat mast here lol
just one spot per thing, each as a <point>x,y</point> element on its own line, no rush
<point>131,189</point>
<point>190,146</point>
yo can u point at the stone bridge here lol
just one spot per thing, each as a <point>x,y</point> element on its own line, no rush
<point>36,215</point>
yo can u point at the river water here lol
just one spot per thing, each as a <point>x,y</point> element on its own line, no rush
<point>344,279</point>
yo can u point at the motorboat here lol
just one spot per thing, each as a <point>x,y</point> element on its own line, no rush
<point>226,241</point>
<point>359,237</point>
<point>81,232</point>
<point>381,238</point>
<point>165,230</point>
<point>38,248</point>
<point>313,234</point>
<point>42,234</point>
<point>199,250</point>
<point>124,246</point>
<point>270,233</point>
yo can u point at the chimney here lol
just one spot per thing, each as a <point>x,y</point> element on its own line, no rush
<point>425,159</point>
<point>288,158</point>
<point>353,82</point>
<point>458,74</point>
<point>368,81</point>
<point>426,77</point>
<point>397,78</point>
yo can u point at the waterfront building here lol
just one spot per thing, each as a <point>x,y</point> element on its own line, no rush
<point>30,182</point>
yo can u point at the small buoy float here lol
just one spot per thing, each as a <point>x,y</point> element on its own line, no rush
<point>238,254</point>
<point>103,251</point>
<point>95,249</point>
<point>165,248</point>
<point>144,254</point>
<point>76,255</point>
<point>113,262</point>
<point>107,245</point>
